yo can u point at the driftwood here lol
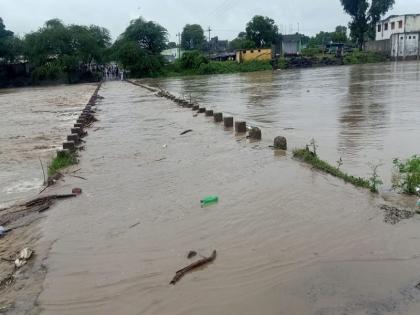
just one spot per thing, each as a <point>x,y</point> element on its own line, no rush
<point>182,272</point>
<point>185,132</point>
<point>46,199</point>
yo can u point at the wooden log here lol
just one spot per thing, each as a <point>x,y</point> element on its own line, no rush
<point>182,272</point>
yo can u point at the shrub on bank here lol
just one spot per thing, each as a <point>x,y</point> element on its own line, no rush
<point>361,57</point>
<point>407,174</point>
<point>62,160</point>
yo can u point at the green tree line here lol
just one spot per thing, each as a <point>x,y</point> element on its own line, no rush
<point>57,51</point>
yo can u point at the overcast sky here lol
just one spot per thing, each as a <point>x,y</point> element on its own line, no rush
<point>226,17</point>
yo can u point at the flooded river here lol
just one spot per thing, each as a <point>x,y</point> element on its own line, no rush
<point>290,240</point>
<point>365,114</point>
<point>33,124</point>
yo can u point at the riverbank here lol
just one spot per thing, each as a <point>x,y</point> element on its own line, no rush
<point>199,66</point>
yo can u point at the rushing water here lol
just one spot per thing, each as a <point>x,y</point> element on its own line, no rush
<point>367,114</point>
<point>290,240</point>
<point>33,124</point>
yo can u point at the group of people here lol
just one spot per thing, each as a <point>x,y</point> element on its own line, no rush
<point>113,72</point>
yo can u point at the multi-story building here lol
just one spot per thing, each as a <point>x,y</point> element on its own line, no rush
<point>400,34</point>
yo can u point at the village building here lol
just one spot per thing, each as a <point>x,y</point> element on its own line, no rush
<point>398,36</point>
<point>253,54</point>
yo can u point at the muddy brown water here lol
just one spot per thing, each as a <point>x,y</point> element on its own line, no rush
<point>290,240</point>
<point>33,124</point>
<point>365,114</point>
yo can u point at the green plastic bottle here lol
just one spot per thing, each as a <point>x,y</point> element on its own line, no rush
<point>209,200</point>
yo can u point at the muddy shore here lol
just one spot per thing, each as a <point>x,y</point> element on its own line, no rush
<point>290,240</point>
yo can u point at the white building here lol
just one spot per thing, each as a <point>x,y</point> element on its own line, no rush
<point>172,54</point>
<point>403,32</point>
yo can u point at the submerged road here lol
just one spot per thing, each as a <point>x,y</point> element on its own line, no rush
<point>289,240</point>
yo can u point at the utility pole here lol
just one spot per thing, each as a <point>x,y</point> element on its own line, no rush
<point>209,30</point>
<point>179,45</point>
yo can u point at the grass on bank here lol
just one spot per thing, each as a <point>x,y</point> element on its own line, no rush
<point>216,67</point>
<point>62,160</point>
<point>311,158</point>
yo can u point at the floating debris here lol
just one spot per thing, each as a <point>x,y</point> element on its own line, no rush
<point>23,257</point>
<point>394,215</point>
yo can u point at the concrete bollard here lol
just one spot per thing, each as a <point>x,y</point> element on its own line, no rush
<point>73,137</point>
<point>209,113</point>
<point>280,143</point>
<point>228,122</point>
<point>218,117</point>
<point>202,110</point>
<point>69,145</point>
<point>240,126</point>
<point>76,130</point>
<point>255,133</point>
<point>195,107</point>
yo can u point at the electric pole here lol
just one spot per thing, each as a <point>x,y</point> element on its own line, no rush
<point>209,30</point>
<point>179,45</point>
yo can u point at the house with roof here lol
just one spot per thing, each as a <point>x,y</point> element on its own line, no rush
<point>399,35</point>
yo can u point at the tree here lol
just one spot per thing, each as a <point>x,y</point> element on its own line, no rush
<point>262,31</point>
<point>3,32</point>
<point>59,51</point>
<point>192,37</point>
<point>148,35</point>
<point>10,45</point>
<point>241,42</point>
<point>365,15</point>
<point>138,48</point>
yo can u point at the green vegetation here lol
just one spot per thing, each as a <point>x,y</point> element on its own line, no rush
<point>365,14</point>
<point>66,52</point>
<point>263,31</point>
<point>62,160</point>
<point>241,42</point>
<point>10,45</point>
<point>361,57</point>
<point>407,174</point>
<point>194,63</point>
<point>311,157</point>
<point>138,48</point>
<point>324,38</point>
<point>192,37</point>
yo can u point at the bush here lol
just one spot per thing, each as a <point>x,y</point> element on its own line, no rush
<point>192,60</point>
<point>62,160</point>
<point>407,175</point>
<point>360,57</point>
<point>311,51</point>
